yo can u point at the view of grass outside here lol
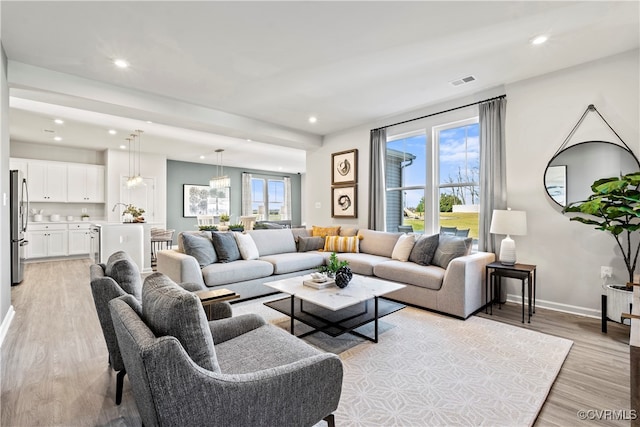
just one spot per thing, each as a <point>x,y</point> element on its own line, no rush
<point>462,220</point>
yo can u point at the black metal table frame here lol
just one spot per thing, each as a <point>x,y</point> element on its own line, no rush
<point>337,324</point>
<point>521,272</point>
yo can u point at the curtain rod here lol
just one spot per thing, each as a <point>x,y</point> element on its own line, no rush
<point>269,174</point>
<point>440,112</point>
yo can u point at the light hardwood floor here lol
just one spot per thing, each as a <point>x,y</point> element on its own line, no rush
<point>55,371</point>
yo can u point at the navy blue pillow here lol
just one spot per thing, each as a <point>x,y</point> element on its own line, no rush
<point>226,246</point>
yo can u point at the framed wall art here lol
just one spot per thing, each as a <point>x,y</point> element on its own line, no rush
<point>204,200</point>
<point>344,167</point>
<point>344,202</point>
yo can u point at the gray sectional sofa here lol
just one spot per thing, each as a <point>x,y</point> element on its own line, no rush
<point>457,290</point>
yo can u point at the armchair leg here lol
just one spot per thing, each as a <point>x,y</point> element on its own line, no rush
<point>119,383</point>
<point>330,419</point>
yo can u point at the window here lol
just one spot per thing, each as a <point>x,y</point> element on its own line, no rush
<point>433,182</point>
<point>269,200</point>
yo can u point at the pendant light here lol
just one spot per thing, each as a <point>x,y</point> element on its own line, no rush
<point>222,180</point>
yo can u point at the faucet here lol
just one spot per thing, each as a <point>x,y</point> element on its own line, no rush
<point>116,205</point>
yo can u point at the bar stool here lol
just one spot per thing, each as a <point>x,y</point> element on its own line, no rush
<point>160,239</point>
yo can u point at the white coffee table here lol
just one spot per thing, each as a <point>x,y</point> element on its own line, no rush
<point>333,310</point>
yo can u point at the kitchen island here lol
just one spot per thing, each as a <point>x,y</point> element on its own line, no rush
<point>133,238</point>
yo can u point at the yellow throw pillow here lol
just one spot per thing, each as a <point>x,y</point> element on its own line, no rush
<point>342,244</point>
<point>325,231</point>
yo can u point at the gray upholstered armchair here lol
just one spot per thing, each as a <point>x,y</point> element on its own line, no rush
<point>120,276</point>
<point>238,371</point>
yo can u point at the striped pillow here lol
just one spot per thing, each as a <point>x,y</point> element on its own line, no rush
<point>342,244</point>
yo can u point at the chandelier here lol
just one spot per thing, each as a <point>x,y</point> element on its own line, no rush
<point>134,179</point>
<point>222,180</point>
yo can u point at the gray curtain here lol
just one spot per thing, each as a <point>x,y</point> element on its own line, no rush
<point>247,203</point>
<point>493,179</point>
<point>377,187</point>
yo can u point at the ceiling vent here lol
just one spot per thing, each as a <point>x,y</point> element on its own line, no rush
<point>462,81</point>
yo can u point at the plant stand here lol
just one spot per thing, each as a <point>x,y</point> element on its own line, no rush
<point>615,301</point>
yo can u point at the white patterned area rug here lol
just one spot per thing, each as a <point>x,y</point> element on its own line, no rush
<point>433,370</point>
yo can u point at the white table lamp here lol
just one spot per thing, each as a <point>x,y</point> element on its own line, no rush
<point>510,223</point>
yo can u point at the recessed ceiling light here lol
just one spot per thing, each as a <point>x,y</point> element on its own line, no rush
<point>149,121</point>
<point>202,157</point>
<point>124,147</point>
<point>313,119</point>
<point>57,138</point>
<point>248,140</point>
<point>58,121</point>
<point>112,132</point>
<point>539,40</point>
<point>121,63</point>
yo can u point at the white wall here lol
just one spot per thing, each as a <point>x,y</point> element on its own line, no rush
<point>540,114</point>
<point>151,166</point>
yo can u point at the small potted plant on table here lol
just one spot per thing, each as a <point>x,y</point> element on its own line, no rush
<point>337,270</point>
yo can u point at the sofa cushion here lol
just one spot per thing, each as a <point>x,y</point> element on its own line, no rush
<point>225,246</point>
<point>325,231</point>
<point>424,249</point>
<point>121,268</point>
<point>310,243</point>
<point>341,244</point>
<point>361,263</point>
<point>246,246</point>
<point>348,231</point>
<point>300,232</point>
<point>403,247</point>
<point>296,261</point>
<point>235,271</point>
<point>271,242</point>
<point>424,276</point>
<point>199,247</point>
<point>450,247</point>
<point>170,310</point>
<point>378,242</point>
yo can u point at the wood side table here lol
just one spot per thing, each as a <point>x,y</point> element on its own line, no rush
<point>524,272</point>
<point>210,297</point>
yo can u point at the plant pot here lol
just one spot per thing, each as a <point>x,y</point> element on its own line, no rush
<point>619,300</point>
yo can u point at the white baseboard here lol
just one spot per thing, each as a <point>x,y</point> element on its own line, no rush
<point>6,322</point>
<point>565,308</point>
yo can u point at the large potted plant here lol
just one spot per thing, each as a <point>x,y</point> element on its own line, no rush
<point>614,207</point>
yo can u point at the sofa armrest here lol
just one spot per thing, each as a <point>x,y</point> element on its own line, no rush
<point>225,329</point>
<point>464,277</point>
<point>179,267</point>
<point>298,393</point>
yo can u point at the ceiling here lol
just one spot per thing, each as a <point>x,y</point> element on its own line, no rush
<point>212,74</point>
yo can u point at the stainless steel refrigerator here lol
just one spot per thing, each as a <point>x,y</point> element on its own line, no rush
<point>19,213</point>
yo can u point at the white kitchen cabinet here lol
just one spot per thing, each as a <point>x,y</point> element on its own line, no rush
<point>85,183</point>
<point>47,240</point>
<point>47,181</point>
<point>18,164</point>
<point>79,239</point>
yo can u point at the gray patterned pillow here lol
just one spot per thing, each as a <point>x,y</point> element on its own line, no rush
<point>424,249</point>
<point>226,246</point>
<point>451,247</point>
<point>201,248</point>
<point>169,310</point>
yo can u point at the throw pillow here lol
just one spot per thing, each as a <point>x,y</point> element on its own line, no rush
<point>246,246</point>
<point>424,249</point>
<point>403,247</point>
<point>169,310</point>
<point>201,248</point>
<point>342,244</point>
<point>450,247</point>
<point>225,246</point>
<point>310,243</point>
<point>324,231</point>
<point>348,231</point>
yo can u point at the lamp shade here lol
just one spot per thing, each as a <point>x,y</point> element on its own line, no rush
<point>509,222</point>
